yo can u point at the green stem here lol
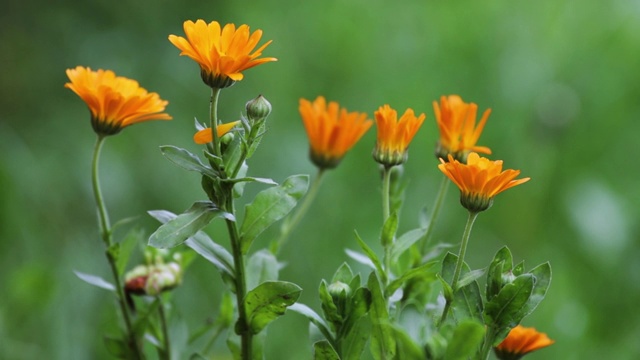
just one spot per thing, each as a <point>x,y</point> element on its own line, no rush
<point>292,221</point>
<point>165,331</point>
<point>213,121</point>
<point>386,212</point>
<point>105,233</point>
<point>240,283</point>
<point>463,249</point>
<point>488,344</point>
<point>442,191</point>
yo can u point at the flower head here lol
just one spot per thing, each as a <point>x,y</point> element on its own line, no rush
<point>332,130</point>
<point>458,131</point>
<point>521,341</point>
<point>479,180</point>
<point>206,136</point>
<point>395,135</point>
<point>222,53</point>
<point>115,102</point>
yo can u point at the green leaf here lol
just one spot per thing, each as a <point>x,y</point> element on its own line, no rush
<point>261,266</point>
<point>238,188</point>
<point>95,281</point>
<point>467,337</point>
<point>372,256</point>
<point>502,262</point>
<point>202,244</point>
<point>467,301</point>
<point>251,179</point>
<point>271,205</point>
<point>505,309</point>
<point>446,288</point>
<point>518,269</point>
<point>383,343</point>
<point>127,245</point>
<point>187,160</point>
<point>422,270</point>
<point>389,229</point>
<point>322,350</point>
<point>117,347</point>
<point>268,301</point>
<point>542,276</point>
<point>361,258</point>
<point>357,307</point>
<point>343,274</point>
<point>470,277</point>
<point>314,318</point>
<point>354,342</point>
<point>225,318</point>
<point>185,225</point>
<point>404,242</point>
<point>407,348</point>
<point>232,155</point>
<point>329,308</point>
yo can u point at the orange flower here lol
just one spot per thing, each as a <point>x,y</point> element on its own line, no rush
<point>222,53</point>
<point>521,341</point>
<point>458,131</point>
<point>332,130</point>
<point>479,180</point>
<point>206,136</point>
<point>394,136</point>
<point>115,102</point>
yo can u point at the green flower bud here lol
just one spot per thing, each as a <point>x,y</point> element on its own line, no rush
<point>258,109</point>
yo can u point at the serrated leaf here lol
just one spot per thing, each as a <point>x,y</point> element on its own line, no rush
<point>178,230</point>
<point>383,343</point>
<point>505,309</point>
<point>271,205</point>
<point>314,318</point>
<point>422,270</point>
<point>372,256</point>
<point>95,281</point>
<point>389,229</point>
<point>187,160</point>
<point>404,242</point>
<point>465,342</point>
<point>268,301</point>
<point>322,350</point>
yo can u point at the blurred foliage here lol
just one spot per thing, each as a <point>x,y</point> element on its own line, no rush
<point>560,76</point>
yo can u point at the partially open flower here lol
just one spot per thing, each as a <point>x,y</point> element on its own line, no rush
<point>206,136</point>
<point>458,131</point>
<point>479,180</point>
<point>115,102</point>
<point>222,53</point>
<point>521,341</point>
<point>332,130</point>
<point>153,279</point>
<point>395,135</point>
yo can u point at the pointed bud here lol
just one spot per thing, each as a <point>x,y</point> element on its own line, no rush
<point>258,109</point>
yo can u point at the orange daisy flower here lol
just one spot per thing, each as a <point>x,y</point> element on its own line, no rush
<point>395,135</point>
<point>115,102</point>
<point>206,136</point>
<point>222,53</point>
<point>521,341</point>
<point>479,180</point>
<point>458,131</point>
<point>332,130</point>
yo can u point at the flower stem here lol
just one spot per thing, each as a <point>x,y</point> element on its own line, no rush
<point>292,221</point>
<point>240,284</point>
<point>386,212</point>
<point>105,233</point>
<point>463,249</point>
<point>165,331</point>
<point>442,191</point>
<point>213,121</point>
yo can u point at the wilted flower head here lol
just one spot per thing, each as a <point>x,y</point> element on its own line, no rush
<point>521,341</point>
<point>458,131</point>
<point>395,135</point>
<point>222,53</point>
<point>332,130</point>
<point>115,102</point>
<point>479,180</point>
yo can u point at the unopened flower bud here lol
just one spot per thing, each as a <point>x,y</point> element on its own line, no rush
<point>339,290</point>
<point>258,108</point>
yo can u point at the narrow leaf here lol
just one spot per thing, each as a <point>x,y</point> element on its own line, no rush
<point>95,280</point>
<point>404,242</point>
<point>268,301</point>
<point>271,205</point>
<point>186,160</point>
<point>185,225</point>
<point>470,277</point>
<point>322,350</point>
<point>383,343</point>
<point>314,318</point>
<point>360,257</point>
<point>372,256</point>
<point>425,270</point>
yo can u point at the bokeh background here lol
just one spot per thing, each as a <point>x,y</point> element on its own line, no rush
<point>562,79</point>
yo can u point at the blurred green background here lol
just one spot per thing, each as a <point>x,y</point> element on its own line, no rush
<point>561,77</point>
